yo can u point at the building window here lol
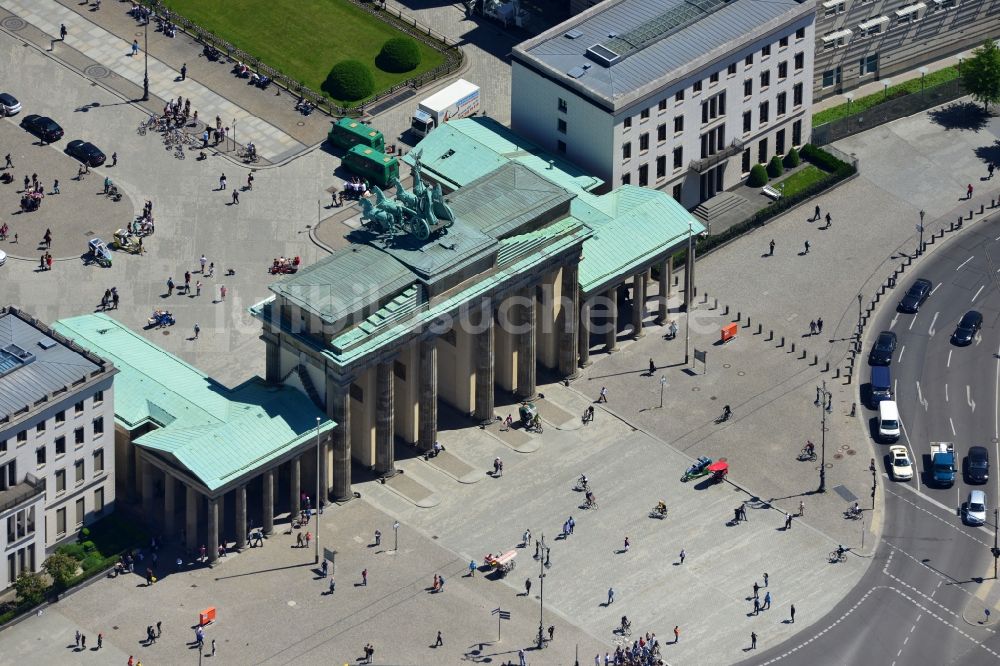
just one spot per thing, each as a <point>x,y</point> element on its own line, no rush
<point>832,7</point>
<point>61,522</point>
<point>627,150</point>
<point>99,426</point>
<point>644,115</point>
<point>675,192</point>
<point>782,70</point>
<point>678,124</point>
<point>98,461</point>
<point>868,64</point>
<point>800,34</point>
<point>644,175</point>
<point>3,446</point>
<point>40,427</point>
<point>831,77</point>
<point>99,397</point>
<point>748,61</point>
<point>762,151</point>
<point>779,142</point>
<point>60,481</point>
<point>358,393</point>
<point>663,106</point>
<point>644,141</point>
<point>99,500</point>
<point>627,123</point>
<point>661,166</point>
<point>732,69</point>
<point>22,437</point>
<point>61,417</point>
<point>783,42</point>
<point>714,78</point>
<point>60,446</point>
<point>747,87</point>
<point>661,131</point>
<point>78,408</point>
<point>561,147</point>
<point>833,40</point>
<point>78,470</point>
<point>765,52</point>
<point>562,105</point>
<point>797,133</point>
<point>780,103</point>
<point>40,456</point>
<point>747,120</point>
<point>626,178</point>
<point>78,436</point>
<point>745,163</point>
<point>696,88</point>
<point>797,94</point>
<point>800,61</point>
<point>561,125</point>
<point>763,113</point>
<point>678,157</point>
<point>765,79</point>
<point>81,509</point>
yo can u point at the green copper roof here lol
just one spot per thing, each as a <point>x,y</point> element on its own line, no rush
<point>216,433</point>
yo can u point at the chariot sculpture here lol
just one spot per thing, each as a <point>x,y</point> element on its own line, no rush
<point>418,213</point>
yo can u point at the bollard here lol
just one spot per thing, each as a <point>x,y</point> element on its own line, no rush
<point>739,316</point>
<point>815,359</point>
<point>705,299</point>
<point>951,227</point>
<point>878,296</point>
<point>959,225</point>
<point>993,203</point>
<point>804,354</point>
<point>747,325</point>
<point>792,350</point>
<point>770,335</point>
<point>782,341</point>
<point>881,289</point>
<point>760,329</point>
<point>726,311</point>
<point>970,214</point>
<point>982,207</point>
<point>848,380</point>
<point>827,368</point>
<point>838,374</point>
<point>716,306</point>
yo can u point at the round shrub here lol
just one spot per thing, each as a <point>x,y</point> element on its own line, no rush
<point>399,54</point>
<point>758,176</point>
<point>792,159</point>
<point>88,546</point>
<point>349,80</point>
<point>774,167</point>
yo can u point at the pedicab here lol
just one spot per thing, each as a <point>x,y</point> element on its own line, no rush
<point>502,564</point>
<point>142,226</point>
<point>160,318</point>
<point>126,242</point>
<point>100,252</point>
<point>528,412</point>
<point>698,469</point>
<point>719,470</point>
<point>284,265</point>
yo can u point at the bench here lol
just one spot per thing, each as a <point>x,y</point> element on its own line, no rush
<point>771,192</point>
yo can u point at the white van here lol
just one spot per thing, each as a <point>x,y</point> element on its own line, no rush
<point>888,421</point>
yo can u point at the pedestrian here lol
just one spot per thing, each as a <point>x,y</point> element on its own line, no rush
<point>552,631</point>
<point>8,163</point>
<point>438,642</point>
<point>788,521</point>
<point>222,182</point>
<point>652,367</point>
<point>197,288</point>
<point>83,641</point>
<point>753,640</point>
<point>78,638</point>
<point>62,31</point>
<point>677,634</point>
<point>131,660</point>
<point>27,183</point>
<point>211,269</point>
<point>829,220</point>
<point>100,641</point>
<point>333,585</point>
<point>765,579</point>
<point>187,282</point>
<point>767,601</point>
<point>135,47</point>
<point>756,589</point>
<point>802,508</point>
<point>756,606</point>
<point>526,538</point>
<point>114,159</point>
<point>682,556</point>
<point>611,596</point>
<point>816,214</point>
<point>203,551</point>
<point>771,245</point>
<point>364,577</point>
<point>792,611</point>
<point>159,628</point>
<point>472,568</point>
<point>114,298</point>
<point>807,248</point>
<point>222,291</point>
<point>819,325</point>
<point>378,538</point>
<point>107,184</point>
<point>249,181</point>
<point>204,139</point>
<point>170,286</point>
<point>521,658</point>
<point>184,72</point>
<point>812,327</point>
<point>55,186</point>
<point>603,397</point>
<point>626,546</point>
<point>736,515</point>
<point>743,513</point>
<point>968,191</point>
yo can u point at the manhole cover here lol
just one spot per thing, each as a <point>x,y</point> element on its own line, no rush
<point>166,332</point>
<point>300,124</point>
<point>741,373</point>
<point>97,71</point>
<point>838,456</point>
<point>13,23</point>
<point>851,452</point>
<point>695,388</point>
<point>726,365</point>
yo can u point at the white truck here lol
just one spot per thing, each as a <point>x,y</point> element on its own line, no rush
<point>459,100</point>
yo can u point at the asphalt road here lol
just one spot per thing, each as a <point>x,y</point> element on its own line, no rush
<point>923,600</point>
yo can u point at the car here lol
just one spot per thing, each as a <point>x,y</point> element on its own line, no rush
<point>967,328</point>
<point>43,127</point>
<point>9,105</point>
<point>977,465</point>
<point>3,257</point>
<point>974,509</point>
<point>86,152</point>
<point>915,296</point>
<point>899,459</point>
<point>883,349</point>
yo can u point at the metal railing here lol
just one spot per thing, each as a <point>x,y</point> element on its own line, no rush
<point>452,53</point>
<point>702,165</point>
<point>21,493</point>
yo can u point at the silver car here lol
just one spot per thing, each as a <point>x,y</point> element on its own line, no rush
<point>9,106</point>
<point>974,510</point>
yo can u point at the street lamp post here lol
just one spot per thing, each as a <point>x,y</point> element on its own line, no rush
<point>319,500</point>
<point>145,57</point>
<point>823,396</point>
<point>874,485</point>
<point>689,292</point>
<point>663,384</point>
<point>885,88</point>
<point>858,343</point>
<point>850,98</point>
<point>923,72</point>
<point>395,536</point>
<point>995,550</point>
<point>234,133</point>
<point>920,247</point>
<point>541,597</point>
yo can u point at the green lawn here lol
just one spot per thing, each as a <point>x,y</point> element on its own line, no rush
<point>303,39</point>
<point>867,102</point>
<point>799,180</point>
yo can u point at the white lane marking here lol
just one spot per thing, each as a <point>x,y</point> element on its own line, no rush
<point>909,448</point>
<point>996,399</point>
<point>920,397</point>
<point>946,393</point>
<point>950,511</point>
<point>978,292</point>
<point>968,397</point>
<point>912,322</point>
<point>896,318</point>
<point>935,288</point>
<point>901,350</point>
<point>949,358</point>
<point>952,424</point>
<point>961,265</point>
<point>930,331</point>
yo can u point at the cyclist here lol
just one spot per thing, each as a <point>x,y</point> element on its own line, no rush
<point>840,551</point>
<point>591,501</point>
<point>726,413</point>
<point>810,448</point>
<point>661,507</point>
<point>583,482</point>
<point>626,625</point>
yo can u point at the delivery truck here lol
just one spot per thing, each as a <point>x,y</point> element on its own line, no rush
<point>459,100</point>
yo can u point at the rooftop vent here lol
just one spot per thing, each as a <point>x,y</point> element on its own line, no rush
<point>603,55</point>
<point>573,34</point>
<point>13,357</point>
<point>46,343</point>
<point>576,72</point>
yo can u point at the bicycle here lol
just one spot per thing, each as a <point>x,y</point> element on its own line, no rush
<point>808,452</point>
<point>179,152</point>
<point>852,514</point>
<point>625,629</point>
<point>838,555</point>
<point>590,504</point>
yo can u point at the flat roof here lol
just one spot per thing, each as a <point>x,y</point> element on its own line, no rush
<point>622,50</point>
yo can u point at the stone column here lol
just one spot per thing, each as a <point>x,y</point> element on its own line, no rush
<point>611,335</point>
<point>570,317</point>
<point>584,342</point>
<point>485,368</point>
<point>689,280</point>
<point>267,504</point>
<point>191,522</point>
<point>272,359</point>
<point>526,362</point>
<point>338,408</point>
<point>213,530</point>
<point>385,436</point>
<point>148,509</point>
<point>427,429</point>
<point>638,304</point>
<point>169,506</point>
<point>241,517</point>
<point>666,273</point>
<point>294,487</point>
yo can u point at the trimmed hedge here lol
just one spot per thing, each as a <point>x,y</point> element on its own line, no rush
<point>758,176</point>
<point>774,168</point>
<point>349,80</point>
<point>398,55</point>
<point>825,160</point>
<point>792,159</point>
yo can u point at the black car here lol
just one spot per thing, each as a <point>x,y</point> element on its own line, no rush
<point>967,328</point>
<point>977,465</point>
<point>883,349</point>
<point>916,296</point>
<point>43,127</point>
<point>86,152</point>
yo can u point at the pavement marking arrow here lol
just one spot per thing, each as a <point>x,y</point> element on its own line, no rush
<point>920,397</point>
<point>912,322</point>
<point>952,424</point>
<point>968,396</point>
<point>930,331</point>
<point>896,318</point>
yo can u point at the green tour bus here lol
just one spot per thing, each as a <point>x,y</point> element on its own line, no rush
<point>348,132</point>
<point>373,165</point>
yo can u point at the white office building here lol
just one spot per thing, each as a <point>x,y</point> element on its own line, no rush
<point>57,436</point>
<point>684,96</point>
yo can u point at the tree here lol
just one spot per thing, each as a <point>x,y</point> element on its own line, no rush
<point>61,567</point>
<point>349,80</point>
<point>30,587</point>
<point>774,167</point>
<point>758,176</point>
<point>399,54</point>
<point>792,159</point>
<point>981,74</point>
